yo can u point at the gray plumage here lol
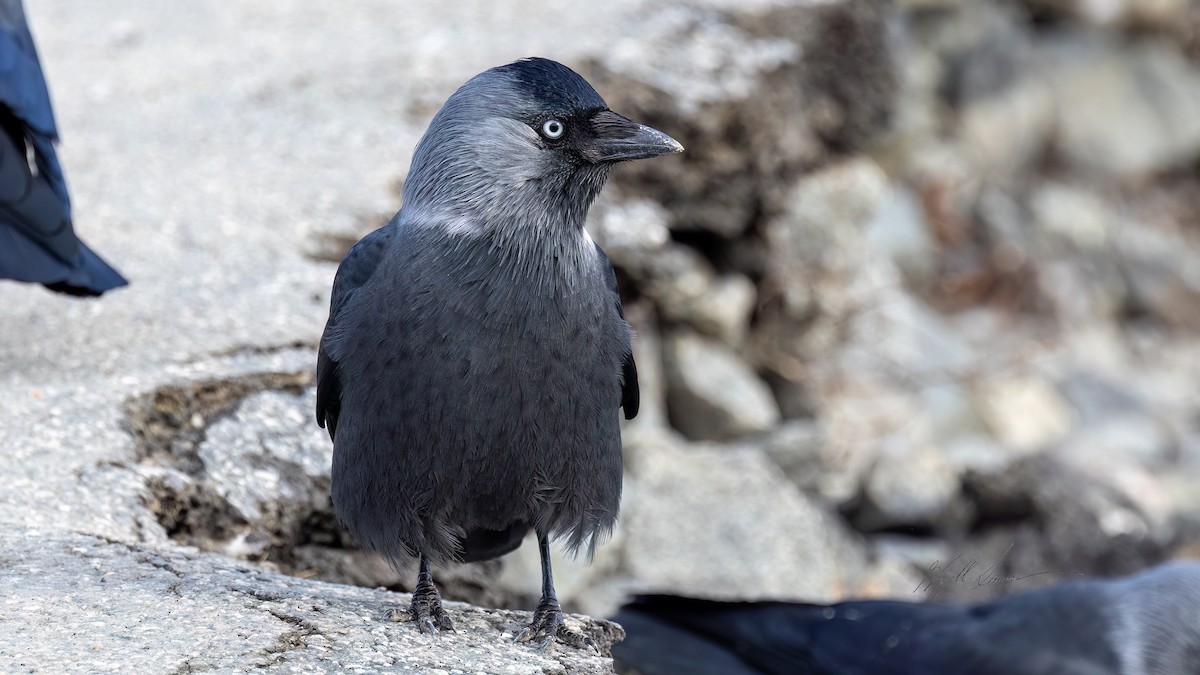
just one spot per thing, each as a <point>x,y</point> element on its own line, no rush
<point>37,237</point>
<point>475,358</point>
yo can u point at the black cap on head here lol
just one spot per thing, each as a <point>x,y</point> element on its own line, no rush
<point>554,86</point>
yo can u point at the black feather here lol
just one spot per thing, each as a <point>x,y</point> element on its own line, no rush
<point>630,396</point>
<point>359,263</point>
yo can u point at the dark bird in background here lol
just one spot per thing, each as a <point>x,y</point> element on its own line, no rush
<point>476,356</point>
<point>1147,624</point>
<point>37,238</point>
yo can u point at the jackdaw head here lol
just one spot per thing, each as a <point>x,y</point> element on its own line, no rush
<point>531,140</point>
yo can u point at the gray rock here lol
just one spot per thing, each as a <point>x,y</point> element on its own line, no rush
<point>1006,223</point>
<point>1127,113</point>
<point>1072,215</point>
<point>1059,523</point>
<point>1007,132</point>
<point>899,232</point>
<point>711,393</point>
<point>1098,397</point>
<point>686,289</point>
<point>980,453</point>
<point>250,478</point>
<point>677,276</point>
<point>1025,413</point>
<point>920,552</point>
<point>1133,439</point>
<point>1138,13</point>
<point>1004,107</point>
<point>271,466</point>
<point>1080,291</point>
<point>83,603</point>
<point>819,237</point>
<point>631,232</point>
<point>1162,273</point>
<point>797,448</point>
<point>757,92</point>
<point>726,523</point>
<point>988,49</point>
<point>721,309</point>
<point>911,484</point>
<point>820,274</point>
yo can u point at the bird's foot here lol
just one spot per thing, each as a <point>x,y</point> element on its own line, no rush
<point>426,610</point>
<point>548,625</point>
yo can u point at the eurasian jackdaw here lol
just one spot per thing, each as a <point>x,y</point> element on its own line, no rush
<point>1149,623</point>
<point>37,240</point>
<point>476,355</point>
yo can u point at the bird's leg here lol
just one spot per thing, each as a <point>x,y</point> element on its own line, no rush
<point>426,607</point>
<point>548,617</point>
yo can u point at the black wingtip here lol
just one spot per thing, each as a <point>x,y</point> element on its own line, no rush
<point>630,392</point>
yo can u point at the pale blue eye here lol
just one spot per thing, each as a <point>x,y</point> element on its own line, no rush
<point>553,129</point>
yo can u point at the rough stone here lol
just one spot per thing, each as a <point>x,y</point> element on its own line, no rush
<point>631,232</point>
<point>1053,522</point>
<point>1134,439</point>
<point>677,276</point>
<point>82,602</point>
<point>910,485</point>
<point>756,92</point>
<point>271,466</point>
<point>980,453</point>
<point>857,414</point>
<point>1149,93</point>
<point>1071,214</point>
<point>686,289</point>
<point>711,393</point>
<point>1006,132</point>
<point>1164,278</point>
<point>1024,412</point>
<point>723,310</point>
<point>899,232</point>
<point>797,448</point>
<point>726,523</point>
<point>1154,13</point>
<point>821,232</point>
<point>727,313</point>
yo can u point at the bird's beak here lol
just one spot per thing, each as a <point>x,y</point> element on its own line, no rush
<point>619,139</point>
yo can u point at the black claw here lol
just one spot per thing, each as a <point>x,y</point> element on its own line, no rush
<point>426,606</point>
<point>548,625</point>
<point>426,610</point>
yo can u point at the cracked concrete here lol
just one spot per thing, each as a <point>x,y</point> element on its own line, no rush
<point>78,602</point>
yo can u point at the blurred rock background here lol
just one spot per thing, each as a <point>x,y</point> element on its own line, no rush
<point>922,294</point>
